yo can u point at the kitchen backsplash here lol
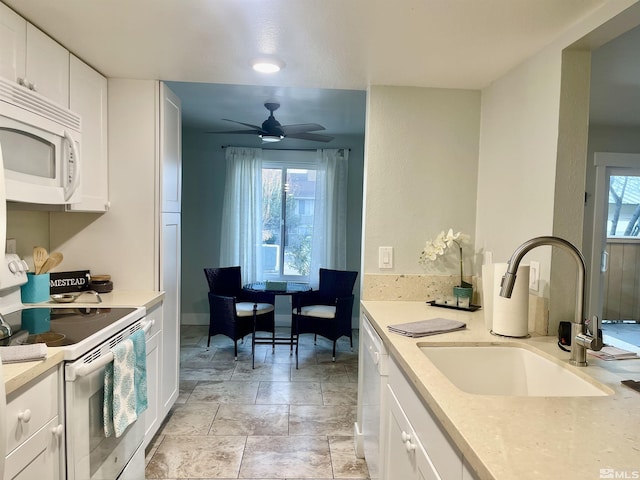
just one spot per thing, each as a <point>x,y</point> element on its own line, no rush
<point>414,287</point>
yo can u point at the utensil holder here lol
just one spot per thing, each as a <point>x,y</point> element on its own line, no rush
<point>36,289</point>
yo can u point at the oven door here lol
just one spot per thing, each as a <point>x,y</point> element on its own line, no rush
<point>91,455</point>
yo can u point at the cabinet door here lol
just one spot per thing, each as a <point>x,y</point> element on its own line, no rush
<point>170,150</point>
<point>13,37</point>
<point>400,463</point>
<point>445,457</point>
<point>88,97</point>
<point>170,284</point>
<point>38,457</point>
<point>406,457</point>
<point>47,66</point>
<point>152,414</point>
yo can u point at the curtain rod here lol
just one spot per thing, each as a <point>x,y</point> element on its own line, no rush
<point>287,149</point>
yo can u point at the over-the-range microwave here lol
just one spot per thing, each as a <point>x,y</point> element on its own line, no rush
<point>41,147</point>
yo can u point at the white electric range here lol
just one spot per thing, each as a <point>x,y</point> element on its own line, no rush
<point>86,335</point>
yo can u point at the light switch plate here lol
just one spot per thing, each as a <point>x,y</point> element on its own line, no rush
<point>385,257</point>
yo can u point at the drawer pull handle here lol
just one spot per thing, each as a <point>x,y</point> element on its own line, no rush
<point>25,416</point>
<point>57,431</point>
<point>406,437</point>
<point>410,446</point>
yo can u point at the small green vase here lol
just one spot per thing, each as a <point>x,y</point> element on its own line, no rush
<point>463,292</point>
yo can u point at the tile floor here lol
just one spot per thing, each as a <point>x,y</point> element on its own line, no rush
<point>272,422</point>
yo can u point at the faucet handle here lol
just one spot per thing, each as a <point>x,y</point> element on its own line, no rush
<point>596,331</point>
<point>591,339</point>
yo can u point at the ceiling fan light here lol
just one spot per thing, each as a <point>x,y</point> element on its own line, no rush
<point>264,65</point>
<point>271,138</point>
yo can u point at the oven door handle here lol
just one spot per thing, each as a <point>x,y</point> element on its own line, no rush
<point>73,372</point>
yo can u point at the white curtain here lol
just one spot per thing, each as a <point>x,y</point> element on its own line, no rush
<point>241,237</point>
<point>329,248</point>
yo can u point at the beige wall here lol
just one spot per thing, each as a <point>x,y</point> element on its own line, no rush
<point>122,242</point>
<point>421,151</point>
<point>529,182</point>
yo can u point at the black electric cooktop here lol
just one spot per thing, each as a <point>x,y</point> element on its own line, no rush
<point>59,326</point>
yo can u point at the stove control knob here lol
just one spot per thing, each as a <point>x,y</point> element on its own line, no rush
<point>14,266</point>
<point>25,265</point>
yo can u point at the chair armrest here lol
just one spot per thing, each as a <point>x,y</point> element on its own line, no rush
<point>221,305</point>
<point>344,304</point>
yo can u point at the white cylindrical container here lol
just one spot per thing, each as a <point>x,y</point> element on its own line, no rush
<point>487,294</point>
<point>510,316</point>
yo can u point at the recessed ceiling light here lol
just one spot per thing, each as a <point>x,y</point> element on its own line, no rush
<point>267,65</point>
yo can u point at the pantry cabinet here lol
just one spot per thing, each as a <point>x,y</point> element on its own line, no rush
<point>32,59</point>
<point>88,98</point>
<point>34,430</point>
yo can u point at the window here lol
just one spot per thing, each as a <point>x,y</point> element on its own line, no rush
<point>623,219</point>
<point>284,213</point>
<point>288,199</point>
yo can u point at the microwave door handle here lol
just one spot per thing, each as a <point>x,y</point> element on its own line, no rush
<point>76,171</point>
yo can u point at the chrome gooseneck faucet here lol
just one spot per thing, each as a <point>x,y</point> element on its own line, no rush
<point>583,336</point>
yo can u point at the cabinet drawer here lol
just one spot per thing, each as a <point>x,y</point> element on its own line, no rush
<point>154,314</point>
<point>443,453</point>
<point>30,408</point>
<point>38,457</point>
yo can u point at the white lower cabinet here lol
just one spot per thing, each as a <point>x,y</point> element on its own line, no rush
<point>152,414</point>
<point>407,459</point>
<point>417,447</point>
<point>34,434</point>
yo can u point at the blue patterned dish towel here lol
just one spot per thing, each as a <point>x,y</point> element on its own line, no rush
<point>125,385</point>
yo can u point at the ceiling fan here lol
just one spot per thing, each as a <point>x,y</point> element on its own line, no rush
<point>272,131</point>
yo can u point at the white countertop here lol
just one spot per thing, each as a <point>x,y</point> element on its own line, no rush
<point>18,374</point>
<point>507,438</point>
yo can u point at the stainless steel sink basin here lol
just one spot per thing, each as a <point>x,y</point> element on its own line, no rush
<point>508,370</point>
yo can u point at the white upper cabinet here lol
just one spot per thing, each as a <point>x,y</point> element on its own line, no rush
<point>170,150</point>
<point>13,43</point>
<point>33,59</point>
<point>88,98</point>
<point>47,66</point>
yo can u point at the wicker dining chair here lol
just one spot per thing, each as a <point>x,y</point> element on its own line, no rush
<point>233,311</point>
<point>326,311</point>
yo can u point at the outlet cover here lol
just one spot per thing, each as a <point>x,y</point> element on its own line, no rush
<point>534,276</point>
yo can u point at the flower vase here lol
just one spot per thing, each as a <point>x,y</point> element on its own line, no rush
<point>463,292</point>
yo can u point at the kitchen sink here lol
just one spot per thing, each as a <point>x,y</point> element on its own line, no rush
<point>508,370</point>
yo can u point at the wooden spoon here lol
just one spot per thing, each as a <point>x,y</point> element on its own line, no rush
<point>40,256</point>
<point>52,262</point>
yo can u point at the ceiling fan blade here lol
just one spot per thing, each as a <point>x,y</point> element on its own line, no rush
<point>248,132</point>
<point>257,127</point>
<point>315,137</point>
<point>301,128</point>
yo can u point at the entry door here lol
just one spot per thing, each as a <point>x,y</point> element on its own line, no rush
<point>617,200</point>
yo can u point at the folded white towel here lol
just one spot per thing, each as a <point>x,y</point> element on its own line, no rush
<point>119,409</point>
<point>422,328</point>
